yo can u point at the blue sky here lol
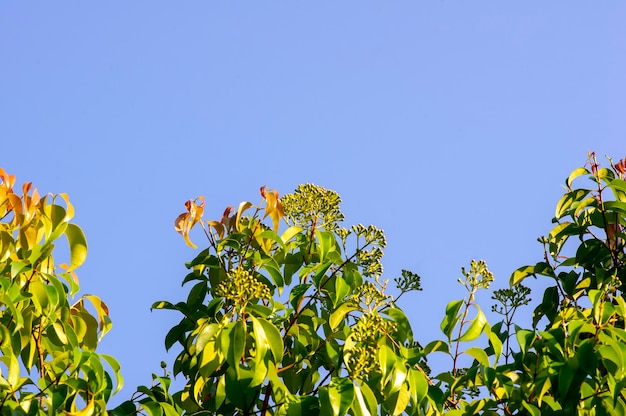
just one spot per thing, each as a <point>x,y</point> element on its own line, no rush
<point>449,124</point>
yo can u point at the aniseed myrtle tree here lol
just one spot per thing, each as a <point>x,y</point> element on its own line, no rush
<point>288,313</point>
<point>48,339</point>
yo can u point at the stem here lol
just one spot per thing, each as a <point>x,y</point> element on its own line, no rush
<point>458,342</point>
<point>268,393</point>
<point>40,353</point>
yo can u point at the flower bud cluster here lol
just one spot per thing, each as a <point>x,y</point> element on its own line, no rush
<point>242,287</point>
<point>370,296</point>
<point>313,206</point>
<point>362,362</point>
<point>371,327</point>
<point>363,359</point>
<point>370,260</point>
<point>478,277</point>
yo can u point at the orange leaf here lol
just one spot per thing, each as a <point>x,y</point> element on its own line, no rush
<point>185,222</point>
<point>218,226</point>
<point>273,208</point>
<point>7,180</point>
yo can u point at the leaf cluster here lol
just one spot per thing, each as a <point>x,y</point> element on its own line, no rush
<point>49,363</point>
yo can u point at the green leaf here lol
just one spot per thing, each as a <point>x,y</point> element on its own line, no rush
<point>559,235</point>
<point>124,409</point>
<point>566,375</point>
<point>451,318</point>
<point>339,314</point>
<point>548,306</point>
<point>479,355</point>
<point>320,270</point>
<point>274,271</point>
<point>616,206</point>
<point>532,409</point>
<point>387,360</point>
<point>418,385</point>
<point>360,406</point>
<point>342,289</point>
<point>233,341</point>
<point>436,346</point>
<point>271,235</point>
<point>496,344</point>
<point>398,401</point>
<point>565,203</point>
<point>115,366</point>
<point>337,397</point>
<point>327,243</point>
<point>301,405</point>
<point>60,332</point>
<point>152,408</point>
<point>266,332</point>
<point>540,268</point>
<point>290,233</point>
<point>619,189</point>
<point>297,293</point>
<point>220,391</point>
<point>196,295</point>
<point>207,333</point>
<point>476,327</point>
<point>18,267</point>
<point>590,201</point>
<point>40,296</point>
<point>575,173</point>
<point>525,339</point>
<point>405,333</point>
<point>78,245</point>
<point>169,410</point>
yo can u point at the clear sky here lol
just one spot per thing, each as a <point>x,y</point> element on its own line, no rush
<point>451,125</point>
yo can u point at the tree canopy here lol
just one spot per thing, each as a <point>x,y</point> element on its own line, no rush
<point>288,312</point>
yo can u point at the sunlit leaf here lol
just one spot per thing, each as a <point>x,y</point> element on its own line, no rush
<point>436,346</point>
<point>243,206</point>
<point>78,245</point>
<point>476,326</point>
<point>451,317</point>
<point>273,337</point>
<point>233,341</point>
<point>339,314</point>
<point>418,385</point>
<point>479,355</point>
<point>327,243</point>
<point>523,272</point>
<point>565,203</point>
<point>405,333</point>
<point>398,401</point>
<point>185,222</point>
<point>336,398</point>
<point>575,173</point>
<point>88,410</point>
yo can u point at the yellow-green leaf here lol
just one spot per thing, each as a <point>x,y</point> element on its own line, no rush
<point>476,327</point>
<point>78,245</point>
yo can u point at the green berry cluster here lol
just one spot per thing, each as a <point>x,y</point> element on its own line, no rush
<point>242,287</point>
